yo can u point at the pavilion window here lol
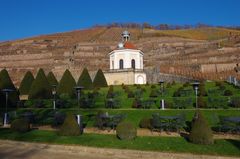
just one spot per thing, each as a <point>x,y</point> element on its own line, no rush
<point>121,64</point>
<point>133,64</point>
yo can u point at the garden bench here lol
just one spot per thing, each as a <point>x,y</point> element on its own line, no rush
<point>112,103</point>
<point>168,123</point>
<point>229,124</point>
<point>110,121</point>
<point>148,103</point>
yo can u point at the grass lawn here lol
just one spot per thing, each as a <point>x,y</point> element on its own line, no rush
<point>133,115</point>
<point>163,144</point>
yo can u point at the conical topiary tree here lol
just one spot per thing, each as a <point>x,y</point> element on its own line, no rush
<point>52,79</point>
<point>26,83</point>
<point>100,80</point>
<point>70,126</point>
<point>40,88</point>
<point>85,80</point>
<point>67,84</point>
<point>6,83</point>
<point>201,132</point>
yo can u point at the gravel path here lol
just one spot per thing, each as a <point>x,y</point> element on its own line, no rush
<point>25,150</point>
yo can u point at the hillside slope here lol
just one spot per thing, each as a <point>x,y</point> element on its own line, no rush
<point>206,53</point>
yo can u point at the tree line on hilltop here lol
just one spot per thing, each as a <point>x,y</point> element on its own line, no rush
<point>161,26</point>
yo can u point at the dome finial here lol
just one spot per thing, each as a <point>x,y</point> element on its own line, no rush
<point>125,36</point>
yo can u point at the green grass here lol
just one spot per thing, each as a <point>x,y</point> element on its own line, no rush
<point>126,102</point>
<point>163,144</point>
<point>135,115</point>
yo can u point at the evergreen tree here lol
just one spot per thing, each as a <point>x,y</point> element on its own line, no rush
<point>100,80</point>
<point>70,127</point>
<point>6,83</point>
<point>26,83</point>
<point>201,132</point>
<point>67,84</point>
<point>52,79</point>
<point>85,80</point>
<point>40,88</point>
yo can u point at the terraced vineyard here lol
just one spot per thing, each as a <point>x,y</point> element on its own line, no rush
<point>206,53</point>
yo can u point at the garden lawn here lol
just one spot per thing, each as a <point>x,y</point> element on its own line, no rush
<point>163,144</point>
<point>45,116</point>
<point>135,115</point>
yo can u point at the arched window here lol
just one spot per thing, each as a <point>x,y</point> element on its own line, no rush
<point>133,63</point>
<point>121,64</point>
<point>112,64</point>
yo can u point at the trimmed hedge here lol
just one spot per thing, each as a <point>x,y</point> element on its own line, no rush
<point>20,125</point>
<point>70,126</point>
<point>40,88</point>
<point>100,80</point>
<point>52,79</point>
<point>6,83</point>
<point>67,84</point>
<point>201,132</point>
<point>26,83</point>
<point>85,80</point>
<point>228,93</point>
<point>126,131</point>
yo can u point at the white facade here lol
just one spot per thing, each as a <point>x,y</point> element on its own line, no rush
<point>130,58</point>
<point>126,64</point>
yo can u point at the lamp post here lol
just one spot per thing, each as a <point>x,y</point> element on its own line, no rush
<point>161,82</point>
<point>54,92</point>
<point>195,87</point>
<point>78,91</point>
<point>6,91</point>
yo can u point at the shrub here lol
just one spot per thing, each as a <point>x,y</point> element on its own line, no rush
<point>100,80</point>
<point>154,93</point>
<point>202,91</point>
<point>201,132</point>
<point>138,86</point>
<point>222,87</point>
<point>145,123</point>
<point>168,85</point>
<point>52,79</point>
<point>40,88</point>
<point>110,93</point>
<point>201,102</point>
<point>235,102</point>
<point>186,84</point>
<point>168,104</point>
<point>20,125</point>
<point>85,80</point>
<point>227,93</point>
<point>70,126</point>
<point>67,84</point>
<point>130,94</point>
<point>135,103</point>
<point>219,83</point>
<point>177,93</point>
<point>126,131</point>
<point>26,83</point>
<point>153,86</point>
<point>6,83</point>
<point>99,121</point>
